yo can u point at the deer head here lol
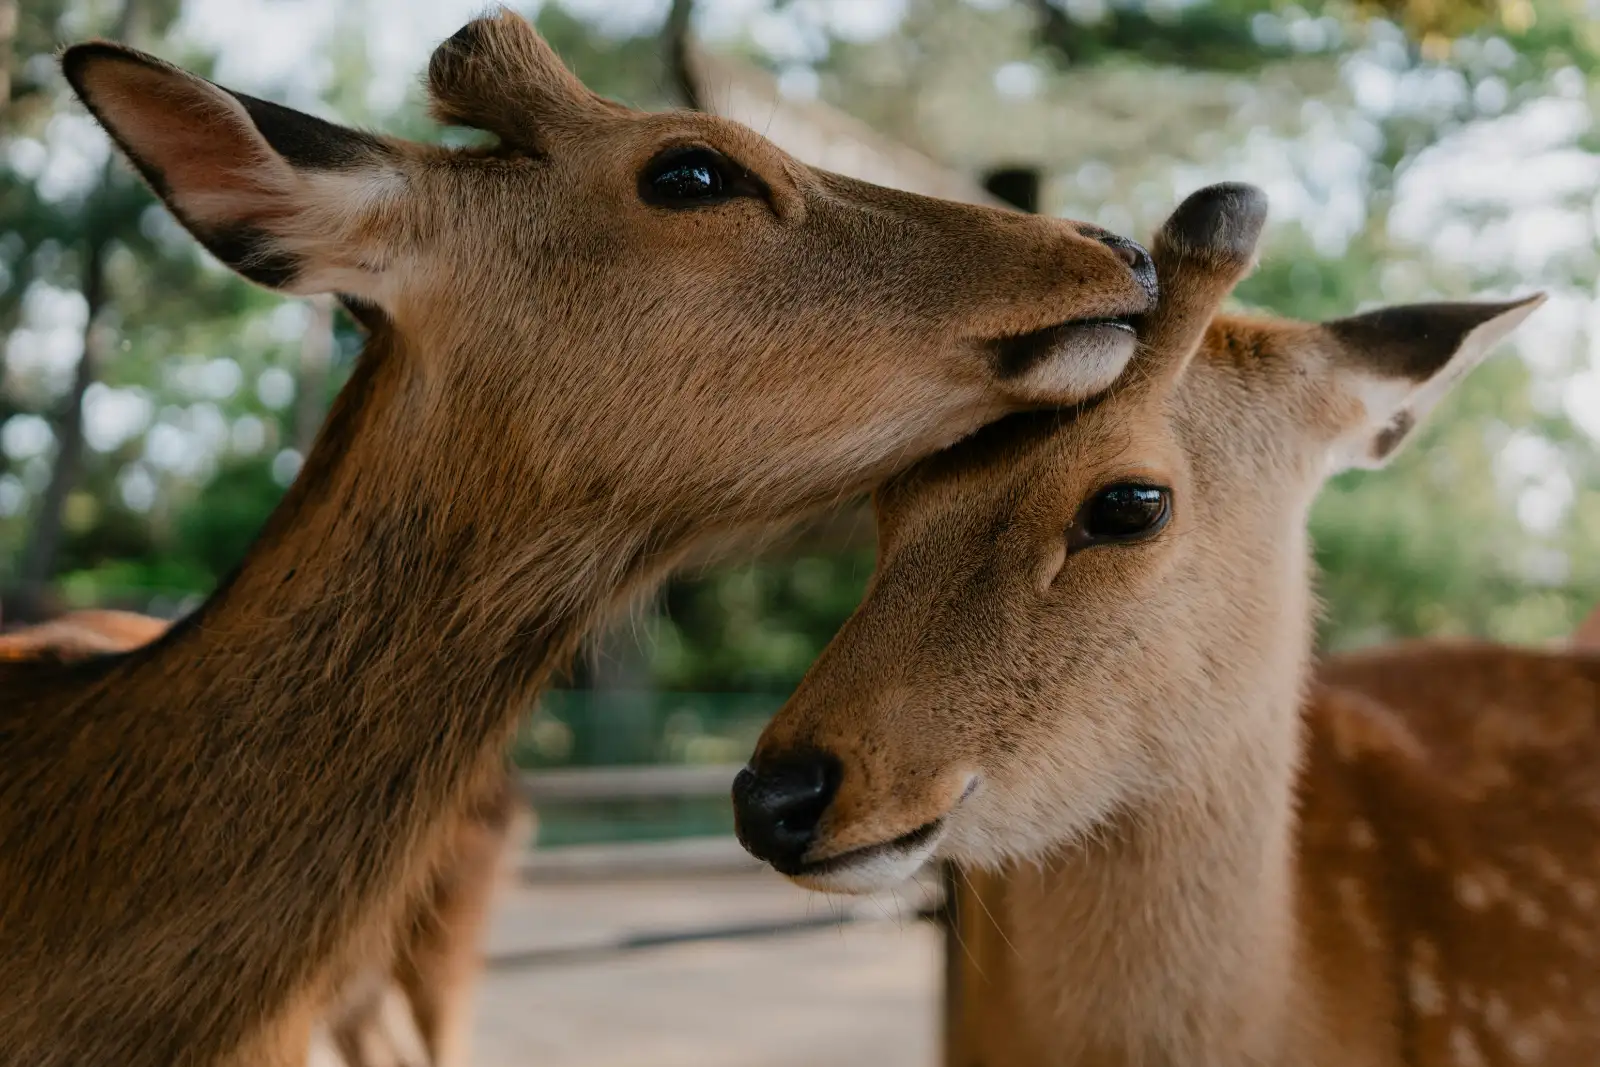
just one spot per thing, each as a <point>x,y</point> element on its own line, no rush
<point>640,311</point>
<point>1079,615</point>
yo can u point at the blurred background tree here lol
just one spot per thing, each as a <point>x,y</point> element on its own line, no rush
<point>152,408</point>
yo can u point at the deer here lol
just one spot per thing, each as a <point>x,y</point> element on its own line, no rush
<point>1083,674</point>
<point>594,343</point>
<point>436,953</point>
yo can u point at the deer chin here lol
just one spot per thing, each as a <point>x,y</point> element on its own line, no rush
<point>872,868</point>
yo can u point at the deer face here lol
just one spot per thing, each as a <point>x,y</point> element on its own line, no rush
<point>1076,613</point>
<point>662,307</point>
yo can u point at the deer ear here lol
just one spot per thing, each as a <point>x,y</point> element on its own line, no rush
<point>277,195</point>
<point>497,74</point>
<point>1400,361</point>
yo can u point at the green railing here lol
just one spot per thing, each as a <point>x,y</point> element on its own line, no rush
<point>574,728</point>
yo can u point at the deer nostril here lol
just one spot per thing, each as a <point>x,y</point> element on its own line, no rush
<point>1137,258</point>
<point>778,805</point>
<point>1126,253</point>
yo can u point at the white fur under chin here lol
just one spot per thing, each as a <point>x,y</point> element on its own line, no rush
<point>876,871</point>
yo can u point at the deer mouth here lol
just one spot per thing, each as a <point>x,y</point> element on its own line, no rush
<point>872,867</point>
<point>1015,356</point>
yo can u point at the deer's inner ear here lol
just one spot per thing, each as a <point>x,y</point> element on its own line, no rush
<point>1400,361</point>
<point>275,194</point>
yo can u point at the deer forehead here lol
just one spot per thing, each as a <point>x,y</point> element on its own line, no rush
<point>1039,467</point>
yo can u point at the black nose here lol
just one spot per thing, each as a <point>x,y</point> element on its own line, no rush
<point>778,803</point>
<point>1137,258</point>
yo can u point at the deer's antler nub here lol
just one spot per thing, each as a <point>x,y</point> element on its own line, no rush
<point>1202,251</point>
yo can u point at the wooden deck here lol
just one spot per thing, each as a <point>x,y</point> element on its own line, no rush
<point>698,971</point>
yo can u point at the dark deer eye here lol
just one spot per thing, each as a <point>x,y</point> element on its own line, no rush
<point>1127,511</point>
<point>685,177</point>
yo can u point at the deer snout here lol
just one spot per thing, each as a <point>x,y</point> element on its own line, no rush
<point>778,805</point>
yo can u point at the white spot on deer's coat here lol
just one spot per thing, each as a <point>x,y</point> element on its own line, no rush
<point>1427,996</point>
<point>1526,1046</point>
<point>1529,912</point>
<point>1354,905</point>
<point>1471,893</point>
<point>1496,1014</point>
<point>1464,1051</point>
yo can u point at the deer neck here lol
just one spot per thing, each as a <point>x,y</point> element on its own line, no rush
<point>1171,935</point>
<point>289,757</point>
<point>393,581</point>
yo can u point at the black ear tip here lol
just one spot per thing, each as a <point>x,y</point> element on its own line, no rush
<point>469,39</point>
<point>76,60</point>
<point>477,36</point>
<point>456,53</point>
<point>1226,218</point>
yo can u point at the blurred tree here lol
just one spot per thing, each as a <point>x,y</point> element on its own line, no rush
<point>8,35</point>
<point>1208,36</point>
<point>677,45</point>
<point>316,362</point>
<point>108,212</point>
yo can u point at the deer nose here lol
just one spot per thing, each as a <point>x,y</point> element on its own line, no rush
<point>778,803</point>
<point>1136,257</point>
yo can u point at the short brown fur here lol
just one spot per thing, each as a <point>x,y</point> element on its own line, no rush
<point>1182,847</point>
<point>565,389</point>
<point>437,949</point>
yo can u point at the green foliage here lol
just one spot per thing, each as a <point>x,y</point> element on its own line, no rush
<point>1211,36</point>
<point>756,626</point>
<point>219,525</point>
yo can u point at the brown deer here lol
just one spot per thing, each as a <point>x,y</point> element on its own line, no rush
<point>436,950</point>
<point>593,345</point>
<point>1082,672</point>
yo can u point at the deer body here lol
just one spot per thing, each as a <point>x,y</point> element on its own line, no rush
<point>437,945</point>
<point>593,346</point>
<point>1083,672</point>
<point>1436,903</point>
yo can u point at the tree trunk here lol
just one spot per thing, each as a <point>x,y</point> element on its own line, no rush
<point>8,36</point>
<point>39,555</point>
<point>316,357</point>
<point>44,540</point>
<point>679,48</point>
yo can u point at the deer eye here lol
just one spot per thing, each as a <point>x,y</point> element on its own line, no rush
<point>690,177</point>
<point>1127,511</point>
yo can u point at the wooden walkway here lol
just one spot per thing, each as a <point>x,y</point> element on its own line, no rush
<point>730,970</point>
